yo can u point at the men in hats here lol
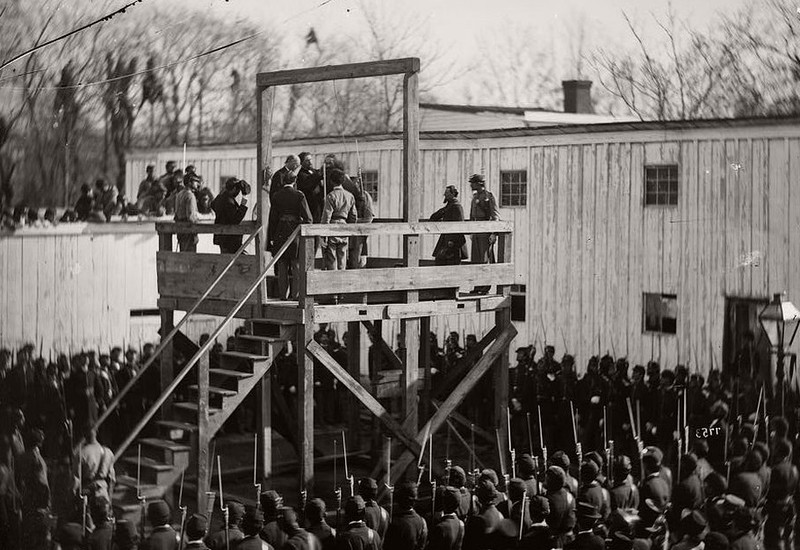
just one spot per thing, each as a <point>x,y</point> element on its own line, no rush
<point>561,459</point>
<point>562,504</point>
<point>271,503</point>
<point>585,538</point>
<point>162,535</point>
<point>196,528</point>
<point>100,538</point>
<point>298,538</point>
<point>689,493</point>
<point>527,473</point>
<point>126,536</point>
<point>448,533</point>
<point>458,479</point>
<point>375,516</point>
<point>451,248</point>
<point>480,528</point>
<point>229,212</point>
<point>483,208</point>
<point>288,210</point>
<point>654,486</point>
<point>217,540</point>
<point>97,464</point>
<point>309,182</point>
<point>407,529</point>
<point>339,208</point>
<point>538,535</point>
<point>317,526</point>
<point>147,182</point>
<point>694,527</point>
<point>252,523</point>
<point>592,492</point>
<point>84,391</point>
<point>748,484</point>
<point>186,211</point>
<point>780,506</point>
<point>624,494</point>
<point>356,535</point>
<point>282,175</point>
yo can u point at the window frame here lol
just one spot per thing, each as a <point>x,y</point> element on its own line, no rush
<point>519,291</point>
<point>665,187</point>
<point>376,188</point>
<point>520,186</point>
<point>663,308</point>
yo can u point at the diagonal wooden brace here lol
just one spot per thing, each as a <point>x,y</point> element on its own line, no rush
<point>372,404</point>
<point>383,346</point>
<point>467,383</point>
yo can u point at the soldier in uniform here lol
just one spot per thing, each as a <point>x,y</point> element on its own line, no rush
<point>654,486</point>
<point>624,494</point>
<point>298,538</point>
<point>375,516</point>
<point>480,528</point>
<point>451,248</point>
<point>407,529</point>
<point>163,536</point>
<point>196,528</point>
<point>317,526</point>
<point>356,536</point>
<point>780,506</point>
<point>484,208</point>
<point>252,523</point>
<point>562,505</point>
<point>288,210</point>
<point>458,479</point>
<point>234,533</point>
<point>585,539</point>
<point>448,533</point>
<point>271,503</point>
<point>592,492</point>
<point>100,538</point>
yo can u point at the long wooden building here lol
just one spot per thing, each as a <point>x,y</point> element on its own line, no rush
<point>655,240</point>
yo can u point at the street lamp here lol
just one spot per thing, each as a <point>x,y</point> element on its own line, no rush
<point>779,320</point>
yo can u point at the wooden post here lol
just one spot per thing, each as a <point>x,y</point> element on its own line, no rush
<point>166,366</point>
<point>376,357</point>
<point>410,375</point>
<point>502,320</point>
<point>425,355</point>
<point>353,344</point>
<point>203,433</point>
<point>305,374</point>
<point>265,98</point>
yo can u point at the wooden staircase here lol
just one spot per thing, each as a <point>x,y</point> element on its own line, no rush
<point>173,449</point>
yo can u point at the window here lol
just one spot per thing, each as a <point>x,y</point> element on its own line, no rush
<point>513,187</point>
<point>661,185</point>
<point>660,313</point>
<point>369,181</point>
<point>518,303</point>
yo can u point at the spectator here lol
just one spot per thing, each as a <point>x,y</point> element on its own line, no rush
<point>229,212</point>
<point>186,211</point>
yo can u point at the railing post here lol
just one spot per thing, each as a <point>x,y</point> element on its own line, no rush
<point>166,366</point>
<point>204,461</point>
<point>502,320</point>
<point>305,377</point>
<point>265,98</point>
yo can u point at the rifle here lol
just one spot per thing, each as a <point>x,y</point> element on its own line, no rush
<point>522,513</point>
<point>347,475</point>
<point>337,491</point>
<point>210,496</point>
<point>530,437</point>
<point>139,496</point>
<point>256,485</point>
<point>222,507</point>
<point>500,454</point>
<point>511,450</point>
<point>388,482</point>
<point>541,435</point>
<point>183,510</point>
<point>610,469</point>
<point>472,443</point>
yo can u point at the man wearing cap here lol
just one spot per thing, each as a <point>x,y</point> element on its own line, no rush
<point>592,492</point>
<point>527,473</point>
<point>309,182</point>
<point>271,503</point>
<point>585,539</point>
<point>229,212</point>
<point>654,487</point>
<point>780,506</point>
<point>480,528</point>
<point>451,248</point>
<point>375,516</point>
<point>196,528</point>
<point>163,536</point>
<point>484,208</point>
<point>689,492</point>
<point>538,535</point>
<point>407,529</point>
<point>448,533</point>
<point>100,538</point>
<point>624,494</point>
<point>287,211</point>
<point>561,459</point>
<point>317,526</point>
<point>298,538</point>
<point>458,479</point>
<point>126,536</point>
<point>147,182</point>
<point>281,175</point>
<point>186,211</point>
<point>217,541</point>
<point>694,527</point>
<point>356,536</point>
<point>252,523</point>
<point>70,537</point>
<point>562,505</point>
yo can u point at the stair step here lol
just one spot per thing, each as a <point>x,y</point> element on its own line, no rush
<point>275,328</point>
<point>153,472</point>
<point>125,489</point>
<point>230,373</point>
<point>213,389</point>
<point>266,345</point>
<point>228,379</point>
<point>148,463</point>
<point>193,407</point>
<point>257,338</point>
<point>241,361</point>
<point>216,396</point>
<point>244,355</point>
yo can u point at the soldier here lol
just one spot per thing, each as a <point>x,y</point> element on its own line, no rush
<point>689,492</point>
<point>748,484</point>
<point>538,536</point>
<point>375,516</point>
<point>585,539</point>
<point>317,526</point>
<point>163,536</point>
<point>407,529</point>
<point>780,506</point>
<point>186,211</point>
<point>480,528</point>
<point>298,538</point>
<point>483,208</point>
<point>451,248</point>
<point>125,535</point>
<point>561,459</point>
<point>592,492</point>
<point>229,212</point>
<point>356,536</point>
<point>97,466</point>
<point>84,391</point>
<point>654,486</point>
<point>288,210</point>
<point>196,528</point>
<point>562,505</point>
<point>252,523</point>
<point>234,533</point>
<point>100,538</point>
<point>624,494</point>
<point>694,528</point>
<point>458,479</point>
<point>448,533</point>
<point>271,503</point>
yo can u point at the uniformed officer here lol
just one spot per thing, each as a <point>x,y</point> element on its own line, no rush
<point>484,208</point>
<point>407,529</point>
<point>448,534</point>
<point>356,536</point>
<point>163,536</point>
<point>375,516</point>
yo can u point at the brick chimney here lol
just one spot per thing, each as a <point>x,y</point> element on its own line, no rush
<point>577,96</point>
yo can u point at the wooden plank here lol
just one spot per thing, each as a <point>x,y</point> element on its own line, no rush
<point>265,427</point>
<point>220,308</point>
<point>410,328</point>
<point>759,236</point>
<point>377,280</point>
<point>623,166</point>
<point>204,435</point>
<point>687,286</point>
<point>588,246</point>
<point>777,257</point>
<point>500,382</point>
<point>243,228</point>
<point>601,260</point>
<point>467,383</point>
<point>353,346</point>
<point>384,348</point>
<point>355,388</point>
<point>305,374</point>
<point>793,285</point>
<point>404,228</point>
<point>184,274</point>
<point>339,72</point>
<point>264,154</point>
<point>557,321</point>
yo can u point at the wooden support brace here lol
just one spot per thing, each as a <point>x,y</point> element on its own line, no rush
<point>204,461</point>
<point>315,350</point>
<point>387,351</point>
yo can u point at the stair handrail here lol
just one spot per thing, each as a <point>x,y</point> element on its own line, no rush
<point>164,341</point>
<point>204,348</point>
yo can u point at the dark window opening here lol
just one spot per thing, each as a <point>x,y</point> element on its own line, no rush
<point>518,303</point>
<point>513,188</point>
<point>661,185</point>
<point>660,313</point>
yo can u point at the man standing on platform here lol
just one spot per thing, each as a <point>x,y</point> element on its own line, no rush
<point>186,211</point>
<point>289,209</point>
<point>340,207</point>
<point>309,182</point>
<point>229,212</point>
<point>279,178</point>
<point>484,208</point>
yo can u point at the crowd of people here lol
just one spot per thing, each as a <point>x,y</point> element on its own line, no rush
<point>599,461</point>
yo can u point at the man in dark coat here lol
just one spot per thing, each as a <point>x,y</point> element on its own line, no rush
<point>298,538</point>
<point>163,536</point>
<point>562,504</point>
<point>480,528</point>
<point>458,479</point>
<point>356,536</point>
<point>592,492</point>
<point>407,530</point>
<point>100,538</point>
<point>317,526</point>
<point>624,494</point>
<point>252,523</point>
<point>281,175</point>
<point>585,539</point>
<point>689,492</point>
<point>288,210</point>
<point>448,534</point>
<point>780,524</point>
<point>451,248</point>
<point>196,528</point>
<point>483,208</point>
<point>217,541</point>
<point>84,392</point>
<point>229,212</point>
<point>309,182</point>
<point>748,484</point>
<point>654,486</point>
<point>375,516</point>
<point>271,533</point>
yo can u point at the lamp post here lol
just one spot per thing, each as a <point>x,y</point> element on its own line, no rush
<point>779,320</point>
